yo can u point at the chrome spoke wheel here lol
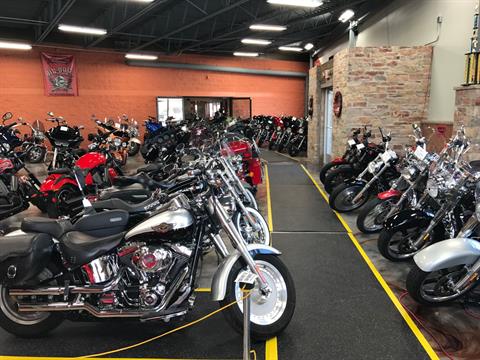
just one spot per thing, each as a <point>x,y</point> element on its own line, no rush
<point>269,308</point>
<point>9,307</point>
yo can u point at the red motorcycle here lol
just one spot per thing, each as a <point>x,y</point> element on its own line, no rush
<point>252,167</point>
<point>60,190</point>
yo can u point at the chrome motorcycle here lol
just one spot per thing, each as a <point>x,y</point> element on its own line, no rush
<point>52,270</point>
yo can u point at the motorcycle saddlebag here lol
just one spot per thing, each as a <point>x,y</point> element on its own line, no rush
<point>22,257</point>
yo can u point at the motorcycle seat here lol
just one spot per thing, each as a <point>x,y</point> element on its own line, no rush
<point>131,208</point>
<point>144,180</point>
<point>53,227</point>
<point>153,167</point>
<point>79,248</point>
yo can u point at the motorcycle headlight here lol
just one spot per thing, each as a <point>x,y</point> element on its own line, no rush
<point>432,188</point>
<point>117,142</point>
<point>92,146</point>
<point>300,131</point>
<point>279,128</point>
<point>373,167</point>
<point>409,173</point>
<point>289,130</point>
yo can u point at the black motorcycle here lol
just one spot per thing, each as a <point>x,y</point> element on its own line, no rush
<point>34,143</point>
<point>65,141</point>
<point>299,142</point>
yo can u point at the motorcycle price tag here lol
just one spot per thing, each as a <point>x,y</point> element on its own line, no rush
<point>63,128</point>
<point>386,157</point>
<point>360,146</point>
<point>351,142</point>
<point>420,153</point>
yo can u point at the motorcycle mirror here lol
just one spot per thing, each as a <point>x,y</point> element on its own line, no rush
<point>7,116</point>
<point>50,114</point>
<point>81,127</point>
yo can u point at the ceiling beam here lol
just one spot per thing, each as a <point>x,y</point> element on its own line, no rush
<point>137,16</point>
<point>59,14</point>
<point>15,20</point>
<point>194,23</point>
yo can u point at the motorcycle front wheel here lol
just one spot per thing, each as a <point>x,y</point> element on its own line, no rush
<point>250,199</point>
<point>25,324</point>
<point>337,177</point>
<point>372,216</point>
<point>36,154</point>
<point>341,198</point>
<point>269,314</point>
<point>326,169</point>
<point>133,148</point>
<point>249,234</point>
<point>395,244</point>
<point>293,150</point>
<point>437,287</point>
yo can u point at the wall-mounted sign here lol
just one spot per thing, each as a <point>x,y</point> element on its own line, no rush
<point>337,104</point>
<point>59,75</point>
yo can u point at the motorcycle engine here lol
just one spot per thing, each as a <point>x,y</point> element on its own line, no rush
<point>157,268</point>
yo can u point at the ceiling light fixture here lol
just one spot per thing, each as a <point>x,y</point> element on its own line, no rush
<point>144,1</point>
<point>141,57</point>
<point>268,27</point>
<point>15,45</point>
<point>308,46</point>
<point>346,15</point>
<point>301,3</point>
<point>256,41</point>
<point>81,29</point>
<point>290,48</point>
<point>247,54</point>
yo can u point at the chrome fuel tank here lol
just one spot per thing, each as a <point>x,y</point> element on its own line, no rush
<point>174,223</point>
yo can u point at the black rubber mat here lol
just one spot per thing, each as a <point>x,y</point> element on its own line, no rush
<point>272,157</point>
<point>296,203</point>
<point>342,312</point>
<point>211,339</point>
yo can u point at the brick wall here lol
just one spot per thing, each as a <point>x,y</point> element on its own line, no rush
<point>108,87</point>
<point>381,86</point>
<point>467,113</point>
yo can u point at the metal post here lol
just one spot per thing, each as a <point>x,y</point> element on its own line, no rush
<point>352,34</point>
<point>246,325</point>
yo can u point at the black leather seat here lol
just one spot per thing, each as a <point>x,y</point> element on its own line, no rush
<point>150,168</point>
<point>131,208</point>
<point>79,248</point>
<point>55,228</point>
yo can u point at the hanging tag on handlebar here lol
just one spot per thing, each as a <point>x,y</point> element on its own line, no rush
<point>351,142</point>
<point>360,146</point>
<point>420,153</point>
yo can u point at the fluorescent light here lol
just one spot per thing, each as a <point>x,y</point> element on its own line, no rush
<point>290,48</point>
<point>248,54</point>
<point>268,27</point>
<point>346,15</point>
<point>256,41</point>
<point>308,46</point>
<point>144,1</point>
<point>14,45</point>
<point>141,57</point>
<point>81,29</point>
<point>302,3</point>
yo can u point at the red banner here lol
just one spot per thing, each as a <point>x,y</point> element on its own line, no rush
<point>59,75</point>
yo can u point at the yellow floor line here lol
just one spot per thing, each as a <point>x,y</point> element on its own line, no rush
<point>271,348</point>
<point>416,331</point>
<point>269,200</point>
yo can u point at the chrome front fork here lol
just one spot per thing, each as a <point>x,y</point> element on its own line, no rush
<point>369,184</point>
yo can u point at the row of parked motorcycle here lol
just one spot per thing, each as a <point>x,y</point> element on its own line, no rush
<point>283,134</point>
<point>131,246</point>
<point>424,205</point>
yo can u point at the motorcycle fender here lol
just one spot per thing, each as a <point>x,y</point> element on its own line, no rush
<point>389,194</point>
<point>352,182</point>
<point>16,232</point>
<point>448,253</point>
<point>220,278</point>
<point>135,140</point>
<point>338,160</point>
<point>55,181</point>
<point>406,218</point>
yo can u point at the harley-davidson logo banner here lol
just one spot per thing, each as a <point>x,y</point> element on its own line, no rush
<point>59,75</point>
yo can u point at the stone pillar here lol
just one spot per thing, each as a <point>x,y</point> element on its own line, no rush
<point>467,113</point>
<point>314,128</point>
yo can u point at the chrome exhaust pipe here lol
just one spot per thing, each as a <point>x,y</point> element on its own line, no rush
<point>55,291</point>
<point>78,306</point>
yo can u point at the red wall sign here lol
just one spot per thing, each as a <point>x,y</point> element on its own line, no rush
<point>59,75</point>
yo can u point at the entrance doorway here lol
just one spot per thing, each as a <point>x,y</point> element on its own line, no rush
<point>328,133</point>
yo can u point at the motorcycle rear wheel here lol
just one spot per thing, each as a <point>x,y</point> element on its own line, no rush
<point>270,315</point>
<point>58,207</point>
<point>293,150</point>
<point>26,325</point>
<point>436,287</point>
<point>36,154</point>
<point>133,148</point>
<point>372,216</point>
<point>341,198</point>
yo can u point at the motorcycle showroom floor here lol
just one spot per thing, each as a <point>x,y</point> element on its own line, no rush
<point>343,311</point>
